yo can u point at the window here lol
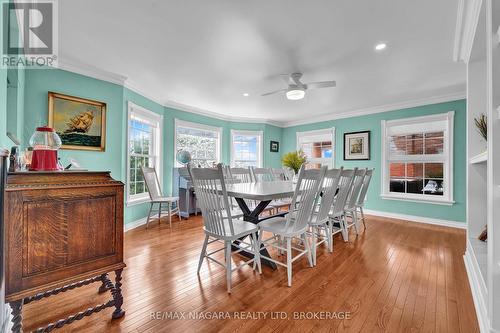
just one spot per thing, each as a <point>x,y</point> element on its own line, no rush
<point>417,161</point>
<point>202,141</point>
<point>246,148</point>
<point>318,147</point>
<point>144,140</point>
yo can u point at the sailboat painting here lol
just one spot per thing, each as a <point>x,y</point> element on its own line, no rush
<point>81,123</point>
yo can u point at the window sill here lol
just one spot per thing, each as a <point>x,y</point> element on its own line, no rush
<point>137,201</point>
<point>419,200</point>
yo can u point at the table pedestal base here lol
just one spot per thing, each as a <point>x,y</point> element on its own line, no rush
<point>253,217</point>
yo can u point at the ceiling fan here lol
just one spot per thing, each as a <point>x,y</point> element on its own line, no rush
<point>296,90</point>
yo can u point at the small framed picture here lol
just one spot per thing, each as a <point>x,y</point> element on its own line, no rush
<point>357,146</point>
<point>275,146</point>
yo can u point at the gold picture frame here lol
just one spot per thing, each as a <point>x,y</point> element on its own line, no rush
<point>80,122</point>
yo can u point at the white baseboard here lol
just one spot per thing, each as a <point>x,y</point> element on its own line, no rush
<point>141,221</point>
<point>134,224</point>
<point>421,219</point>
<point>477,295</point>
<point>7,325</point>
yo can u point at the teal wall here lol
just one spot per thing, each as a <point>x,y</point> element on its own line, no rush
<point>372,123</point>
<point>9,115</point>
<point>39,82</point>
<point>4,140</point>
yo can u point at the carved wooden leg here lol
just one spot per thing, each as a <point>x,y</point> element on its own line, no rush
<point>117,296</point>
<point>17,316</point>
<point>103,288</point>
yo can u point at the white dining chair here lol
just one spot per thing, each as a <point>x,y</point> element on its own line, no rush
<point>266,175</point>
<point>290,173</point>
<point>279,174</point>
<point>321,229</point>
<point>226,171</point>
<point>243,175</point>
<point>294,226</point>
<point>337,216</point>
<point>246,175</point>
<point>350,207</point>
<point>157,198</point>
<point>360,203</point>
<point>282,174</point>
<point>219,224</point>
<point>262,174</point>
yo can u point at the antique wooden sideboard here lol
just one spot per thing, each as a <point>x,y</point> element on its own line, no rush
<point>63,230</point>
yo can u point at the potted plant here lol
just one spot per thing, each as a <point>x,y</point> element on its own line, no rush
<point>294,160</point>
<point>482,126</point>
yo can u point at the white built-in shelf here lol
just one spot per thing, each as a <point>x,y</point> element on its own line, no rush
<point>479,158</point>
<point>480,249</point>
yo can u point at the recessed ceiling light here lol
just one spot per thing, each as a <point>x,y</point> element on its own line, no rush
<point>380,46</point>
<point>246,94</point>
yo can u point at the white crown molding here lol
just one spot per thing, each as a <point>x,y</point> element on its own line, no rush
<point>131,85</point>
<point>212,114</point>
<point>467,19</point>
<point>81,68</point>
<point>379,109</point>
<point>78,67</point>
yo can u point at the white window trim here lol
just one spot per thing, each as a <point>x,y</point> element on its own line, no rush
<point>259,135</point>
<point>325,131</point>
<point>188,124</point>
<point>448,146</point>
<point>134,108</point>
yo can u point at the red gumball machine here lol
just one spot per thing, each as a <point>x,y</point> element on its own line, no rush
<point>45,143</point>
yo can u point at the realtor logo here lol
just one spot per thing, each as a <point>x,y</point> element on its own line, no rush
<point>29,34</point>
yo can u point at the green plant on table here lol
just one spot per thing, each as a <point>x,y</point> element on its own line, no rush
<point>294,160</point>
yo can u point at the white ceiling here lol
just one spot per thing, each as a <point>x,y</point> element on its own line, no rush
<point>206,54</point>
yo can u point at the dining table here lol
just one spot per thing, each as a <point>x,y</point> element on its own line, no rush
<point>262,193</point>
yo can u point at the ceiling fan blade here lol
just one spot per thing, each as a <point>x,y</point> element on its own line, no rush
<point>274,92</point>
<point>285,78</point>
<point>318,85</point>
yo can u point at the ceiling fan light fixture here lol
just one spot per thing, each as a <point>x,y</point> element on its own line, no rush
<point>380,46</point>
<point>295,94</point>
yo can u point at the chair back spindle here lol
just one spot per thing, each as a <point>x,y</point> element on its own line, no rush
<point>344,188</point>
<point>243,175</point>
<point>357,183</point>
<point>364,187</point>
<point>262,174</point>
<point>282,174</point>
<point>212,198</point>
<point>152,183</point>
<point>328,190</point>
<point>304,197</point>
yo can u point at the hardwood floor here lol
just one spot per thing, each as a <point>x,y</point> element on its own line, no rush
<point>394,277</point>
